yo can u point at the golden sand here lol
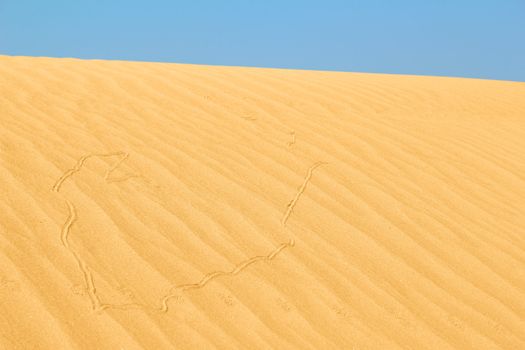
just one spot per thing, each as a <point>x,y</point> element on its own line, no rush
<point>167,206</point>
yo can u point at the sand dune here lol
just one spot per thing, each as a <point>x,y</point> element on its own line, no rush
<point>166,206</point>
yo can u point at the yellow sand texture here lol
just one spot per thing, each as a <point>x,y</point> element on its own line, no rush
<point>167,206</point>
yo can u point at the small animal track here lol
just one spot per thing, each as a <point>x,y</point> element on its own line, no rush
<point>292,142</point>
<point>227,299</point>
<point>8,285</point>
<point>284,304</point>
<point>89,283</point>
<point>293,202</point>
<point>83,159</point>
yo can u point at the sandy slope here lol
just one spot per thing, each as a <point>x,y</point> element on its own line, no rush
<point>163,206</point>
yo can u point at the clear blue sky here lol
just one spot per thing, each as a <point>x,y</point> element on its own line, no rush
<point>469,38</point>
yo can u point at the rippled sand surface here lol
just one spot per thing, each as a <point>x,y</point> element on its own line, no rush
<point>167,206</point>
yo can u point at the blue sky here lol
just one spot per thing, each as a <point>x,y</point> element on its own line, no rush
<point>467,38</point>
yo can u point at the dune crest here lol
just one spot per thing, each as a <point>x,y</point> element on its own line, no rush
<point>151,205</point>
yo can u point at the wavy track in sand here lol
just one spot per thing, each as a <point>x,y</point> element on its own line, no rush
<point>96,304</point>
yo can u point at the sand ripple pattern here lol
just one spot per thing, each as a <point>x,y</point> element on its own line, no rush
<point>96,304</point>
<point>404,196</point>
